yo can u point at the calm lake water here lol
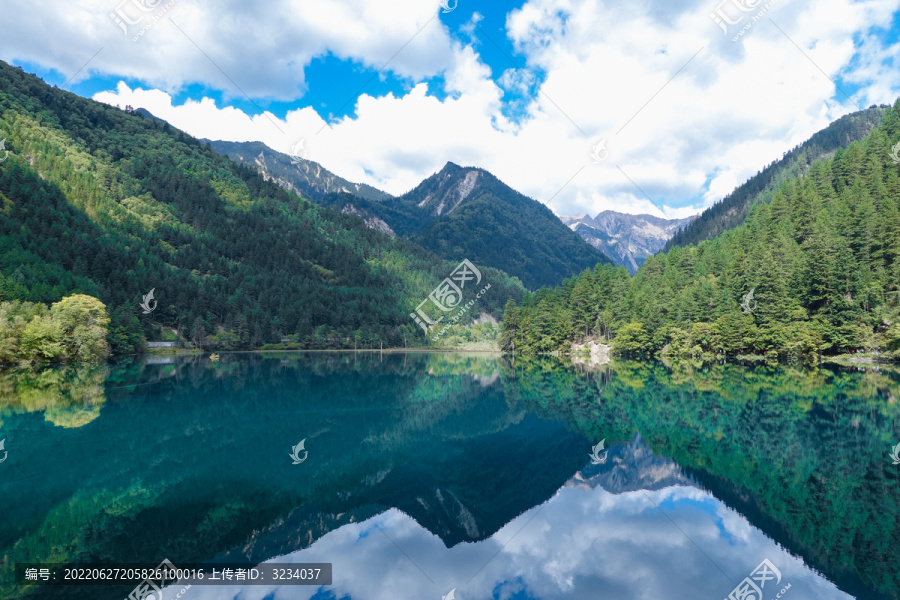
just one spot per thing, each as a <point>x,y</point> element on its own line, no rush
<point>424,474</point>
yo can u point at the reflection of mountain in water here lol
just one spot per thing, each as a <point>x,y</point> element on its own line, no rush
<point>800,452</point>
<point>214,479</point>
<point>189,461</point>
<point>462,497</point>
<point>438,509</point>
<point>631,467</point>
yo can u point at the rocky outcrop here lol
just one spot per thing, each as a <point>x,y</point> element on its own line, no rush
<point>590,353</point>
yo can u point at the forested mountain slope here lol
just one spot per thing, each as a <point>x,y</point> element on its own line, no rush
<point>734,208</point>
<point>98,201</point>
<point>458,213</point>
<point>469,212</point>
<point>816,270</point>
<point>305,177</point>
<point>465,211</point>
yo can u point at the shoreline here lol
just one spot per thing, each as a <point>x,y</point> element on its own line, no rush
<point>185,352</point>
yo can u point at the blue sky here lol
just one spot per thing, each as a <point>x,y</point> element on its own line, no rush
<point>386,94</point>
<point>333,83</point>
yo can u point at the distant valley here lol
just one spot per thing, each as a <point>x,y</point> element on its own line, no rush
<point>442,213</point>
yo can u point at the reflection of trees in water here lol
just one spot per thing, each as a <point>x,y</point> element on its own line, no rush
<point>79,529</point>
<point>69,396</point>
<point>806,447</point>
<point>408,431</point>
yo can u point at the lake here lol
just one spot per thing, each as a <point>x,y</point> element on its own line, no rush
<point>458,476</point>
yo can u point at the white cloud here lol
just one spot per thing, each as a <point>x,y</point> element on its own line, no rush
<point>227,45</point>
<point>731,111</point>
<point>581,544</point>
<point>608,69</point>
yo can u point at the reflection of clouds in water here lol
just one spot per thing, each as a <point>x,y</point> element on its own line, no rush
<point>583,544</point>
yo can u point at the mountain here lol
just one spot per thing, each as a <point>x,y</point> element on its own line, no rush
<point>146,114</point>
<point>734,208</point>
<point>814,272</point>
<point>458,213</point>
<point>307,178</point>
<point>626,239</point>
<point>99,201</point>
<point>630,467</point>
<point>422,433</point>
<point>467,212</point>
<point>383,216</point>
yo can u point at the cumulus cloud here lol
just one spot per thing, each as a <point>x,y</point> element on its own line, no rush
<point>686,112</point>
<point>229,45</point>
<point>581,544</point>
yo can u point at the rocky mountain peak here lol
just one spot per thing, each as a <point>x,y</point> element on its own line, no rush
<point>626,239</point>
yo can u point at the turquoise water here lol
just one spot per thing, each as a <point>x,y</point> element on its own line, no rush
<point>426,473</point>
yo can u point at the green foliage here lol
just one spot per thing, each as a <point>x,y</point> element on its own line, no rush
<point>41,340</point>
<point>822,260</point>
<point>893,337</point>
<point>125,333</point>
<point>98,201</point>
<point>493,225</point>
<point>82,321</point>
<point>73,330</point>
<point>734,208</point>
<point>632,338</point>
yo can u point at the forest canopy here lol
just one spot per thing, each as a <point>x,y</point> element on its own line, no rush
<point>100,201</point>
<point>815,271</point>
<point>72,330</point>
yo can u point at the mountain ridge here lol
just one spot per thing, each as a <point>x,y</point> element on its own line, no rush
<point>110,203</point>
<point>316,183</point>
<point>733,209</point>
<point>626,239</point>
<point>468,210</point>
<point>457,213</point>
